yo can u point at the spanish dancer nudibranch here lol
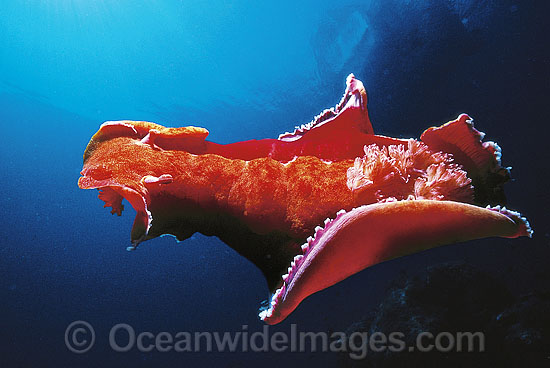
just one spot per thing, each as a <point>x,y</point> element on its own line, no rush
<point>314,206</point>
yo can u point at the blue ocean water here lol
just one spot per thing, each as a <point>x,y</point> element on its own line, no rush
<point>244,70</point>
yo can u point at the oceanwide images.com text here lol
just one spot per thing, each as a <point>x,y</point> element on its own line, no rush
<point>80,338</point>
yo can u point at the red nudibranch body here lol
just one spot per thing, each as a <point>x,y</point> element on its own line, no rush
<point>314,206</point>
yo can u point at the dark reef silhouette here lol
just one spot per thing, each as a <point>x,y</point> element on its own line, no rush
<point>461,298</point>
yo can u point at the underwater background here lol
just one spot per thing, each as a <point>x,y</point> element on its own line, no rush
<point>251,70</point>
